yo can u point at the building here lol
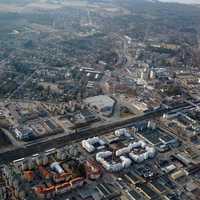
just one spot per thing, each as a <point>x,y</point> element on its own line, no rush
<point>101,103</point>
<point>24,133</point>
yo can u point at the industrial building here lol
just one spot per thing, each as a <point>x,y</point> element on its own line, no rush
<point>102,103</point>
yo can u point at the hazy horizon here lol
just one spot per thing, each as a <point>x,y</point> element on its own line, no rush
<point>183,1</point>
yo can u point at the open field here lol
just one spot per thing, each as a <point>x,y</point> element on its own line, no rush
<point>38,5</point>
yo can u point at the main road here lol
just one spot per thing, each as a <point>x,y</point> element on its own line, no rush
<point>67,139</point>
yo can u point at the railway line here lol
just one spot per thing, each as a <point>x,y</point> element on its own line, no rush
<point>42,145</point>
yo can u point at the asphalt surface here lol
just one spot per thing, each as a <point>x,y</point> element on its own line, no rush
<point>40,146</point>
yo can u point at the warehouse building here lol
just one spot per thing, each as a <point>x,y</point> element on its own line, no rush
<point>101,103</point>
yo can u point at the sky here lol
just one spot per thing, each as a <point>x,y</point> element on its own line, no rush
<point>183,1</point>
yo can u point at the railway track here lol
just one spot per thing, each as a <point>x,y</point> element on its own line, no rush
<point>40,146</point>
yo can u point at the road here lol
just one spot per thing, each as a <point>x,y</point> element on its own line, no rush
<point>42,145</point>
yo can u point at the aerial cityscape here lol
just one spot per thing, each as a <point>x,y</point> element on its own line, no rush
<point>99,100</point>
